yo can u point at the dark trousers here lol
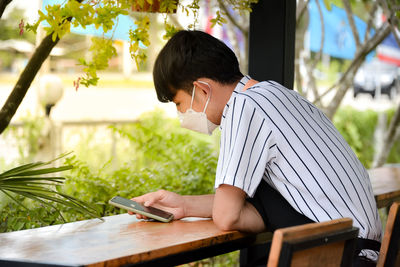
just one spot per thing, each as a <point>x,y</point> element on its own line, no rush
<point>278,213</point>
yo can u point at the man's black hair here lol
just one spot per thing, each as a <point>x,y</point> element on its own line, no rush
<point>190,55</point>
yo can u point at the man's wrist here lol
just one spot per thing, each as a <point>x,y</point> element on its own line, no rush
<point>185,208</point>
<point>198,206</point>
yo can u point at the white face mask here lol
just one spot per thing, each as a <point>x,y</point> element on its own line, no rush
<point>197,121</point>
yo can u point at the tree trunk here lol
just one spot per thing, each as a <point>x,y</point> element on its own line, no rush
<point>302,19</point>
<point>392,132</point>
<point>242,24</point>
<point>3,5</point>
<point>390,137</point>
<point>334,104</point>
<point>349,14</point>
<point>313,63</point>
<point>24,82</point>
<point>26,77</point>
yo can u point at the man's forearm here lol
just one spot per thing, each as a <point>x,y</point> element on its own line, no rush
<point>250,220</point>
<point>199,206</point>
<point>233,212</point>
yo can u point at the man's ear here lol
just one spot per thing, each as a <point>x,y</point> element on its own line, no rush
<point>204,87</point>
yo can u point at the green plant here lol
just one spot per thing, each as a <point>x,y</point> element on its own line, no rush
<point>357,128</point>
<point>156,154</point>
<point>35,181</point>
<point>29,137</point>
<point>153,153</point>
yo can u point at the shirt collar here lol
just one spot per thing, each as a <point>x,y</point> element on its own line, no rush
<point>239,87</point>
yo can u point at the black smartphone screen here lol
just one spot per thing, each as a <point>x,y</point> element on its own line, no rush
<point>127,203</point>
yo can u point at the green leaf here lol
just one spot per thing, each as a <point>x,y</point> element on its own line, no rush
<point>26,180</point>
<point>38,172</point>
<point>327,4</point>
<point>28,166</point>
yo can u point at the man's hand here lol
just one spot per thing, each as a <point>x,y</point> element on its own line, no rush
<point>164,200</point>
<point>180,206</point>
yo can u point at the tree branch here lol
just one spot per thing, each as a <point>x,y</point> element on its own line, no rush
<point>231,19</point>
<point>350,18</point>
<point>3,5</point>
<point>366,48</point>
<point>391,19</point>
<point>355,64</point>
<point>313,63</point>
<point>370,20</point>
<point>300,10</point>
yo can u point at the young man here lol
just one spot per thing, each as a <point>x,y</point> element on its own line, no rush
<point>281,161</point>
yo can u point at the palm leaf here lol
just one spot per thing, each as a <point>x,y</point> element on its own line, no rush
<point>21,168</point>
<point>32,181</point>
<point>31,172</point>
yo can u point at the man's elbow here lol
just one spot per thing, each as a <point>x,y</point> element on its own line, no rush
<point>226,222</point>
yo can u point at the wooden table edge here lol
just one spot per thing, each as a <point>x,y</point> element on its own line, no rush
<point>223,243</point>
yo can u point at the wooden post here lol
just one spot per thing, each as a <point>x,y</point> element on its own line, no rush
<point>271,57</point>
<point>272,41</point>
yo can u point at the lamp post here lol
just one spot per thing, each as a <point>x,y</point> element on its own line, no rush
<point>50,90</point>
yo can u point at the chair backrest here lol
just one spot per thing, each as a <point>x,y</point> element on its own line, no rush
<point>330,243</point>
<point>389,254</point>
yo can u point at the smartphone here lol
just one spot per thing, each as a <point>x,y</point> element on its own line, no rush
<point>135,207</point>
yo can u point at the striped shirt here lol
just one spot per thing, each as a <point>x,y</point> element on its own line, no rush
<point>270,132</point>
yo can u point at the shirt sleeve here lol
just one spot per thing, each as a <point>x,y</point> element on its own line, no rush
<point>246,139</point>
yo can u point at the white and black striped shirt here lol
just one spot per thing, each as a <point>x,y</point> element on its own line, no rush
<point>270,132</point>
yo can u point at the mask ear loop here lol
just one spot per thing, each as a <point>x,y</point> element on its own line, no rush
<point>208,99</point>
<point>191,102</point>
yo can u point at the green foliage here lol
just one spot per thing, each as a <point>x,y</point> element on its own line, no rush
<point>39,183</point>
<point>9,30</point>
<point>9,27</point>
<point>394,155</point>
<point>168,6</point>
<point>13,218</point>
<point>158,155</point>
<point>83,13</point>
<point>102,51</point>
<point>358,128</point>
<point>242,5</point>
<point>219,19</point>
<point>139,35</point>
<point>170,30</point>
<point>104,14</point>
<point>28,139</point>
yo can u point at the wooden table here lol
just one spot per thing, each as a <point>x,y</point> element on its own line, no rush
<point>386,185</point>
<point>120,240</point>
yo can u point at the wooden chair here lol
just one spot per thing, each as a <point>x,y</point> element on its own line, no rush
<point>326,244</point>
<point>389,254</point>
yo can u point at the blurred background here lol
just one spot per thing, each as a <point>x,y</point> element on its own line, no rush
<point>123,141</point>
